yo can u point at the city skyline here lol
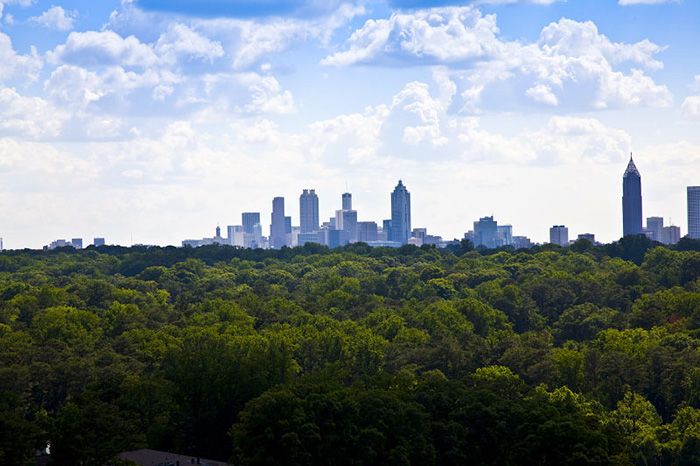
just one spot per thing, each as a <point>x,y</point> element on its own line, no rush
<point>123,120</point>
<point>486,232</point>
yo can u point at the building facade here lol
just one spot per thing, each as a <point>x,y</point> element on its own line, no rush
<point>694,212</point>
<point>559,234</point>
<point>670,234</point>
<point>347,201</point>
<point>631,200</point>
<point>485,233</point>
<point>400,214</point>
<point>278,224</point>
<point>504,235</point>
<point>249,220</point>
<point>655,226</point>
<point>367,231</point>
<point>308,211</point>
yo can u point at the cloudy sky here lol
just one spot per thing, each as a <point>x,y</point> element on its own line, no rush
<point>159,119</point>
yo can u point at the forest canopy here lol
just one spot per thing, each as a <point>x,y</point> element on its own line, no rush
<point>580,355</point>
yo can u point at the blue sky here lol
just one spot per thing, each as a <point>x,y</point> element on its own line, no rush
<point>158,120</point>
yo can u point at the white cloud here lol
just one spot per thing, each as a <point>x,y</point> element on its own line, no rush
<point>441,35</point>
<point>15,65</point>
<point>30,117</point>
<point>92,48</point>
<point>78,87</point>
<point>543,94</point>
<point>55,18</point>
<point>691,107</point>
<point>257,39</point>
<point>571,64</point>
<point>267,95</point>
<point>181,40</point>
<point>22,3</point>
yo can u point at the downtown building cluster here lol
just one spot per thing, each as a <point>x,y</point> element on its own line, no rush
<point>342,228</point>
<point>345,228</point>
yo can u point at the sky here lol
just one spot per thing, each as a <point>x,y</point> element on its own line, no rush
<point>153,121</point>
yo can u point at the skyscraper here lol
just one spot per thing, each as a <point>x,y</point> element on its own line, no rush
<point>308,211</point>
<point>504,235</point>
<point>655,226</point>
<point>278,230</point>
<point>631,201</point>
<point>485,232</point>
<point>346,219</point>
<point>347,201</point>
<point>367,231</point>
<point>559,234</point>
<point>400,214</point>
<point>249,220</point>
<point>694,212</point>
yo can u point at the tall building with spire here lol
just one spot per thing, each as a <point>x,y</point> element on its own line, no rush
<point>631,200</point>
<point>400,214</point>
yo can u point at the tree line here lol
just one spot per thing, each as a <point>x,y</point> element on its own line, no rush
<point>580,355</point>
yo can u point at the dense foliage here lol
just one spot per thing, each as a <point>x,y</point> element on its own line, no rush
<point>585,355</point>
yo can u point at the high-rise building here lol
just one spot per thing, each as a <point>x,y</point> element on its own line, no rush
<point>278,224</point>
<point>485,231</point>
<point>694,212</point>
<point>337,238</point>
<point>559,234</point>
<point>367,231</point>
<point>249,220</point>
<point>504,235</point>
<point>98,242</point>
<point>236,236</point>
<point>77,243</point>
<point>631,200</point>
<point>346,219</point>
<point>654,228</point>
<point>347,201</point>
<point>521,242</point>
<point>670,235</point>
<point>400,214</point>
<point>308,211</point>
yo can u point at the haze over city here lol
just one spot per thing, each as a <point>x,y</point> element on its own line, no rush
<point>151,122</point>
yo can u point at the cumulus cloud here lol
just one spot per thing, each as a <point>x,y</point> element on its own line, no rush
<point>690,108</point>
<point>55,18</point>
<point>103,48</point>
<point>180,40</point>
<point>30,117</point>
<point>440,35</point>
<point>22,3</point>
<point>570,64</point>
<point>15,65</point>
<point>542,93</point>
<point>258,38</point>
